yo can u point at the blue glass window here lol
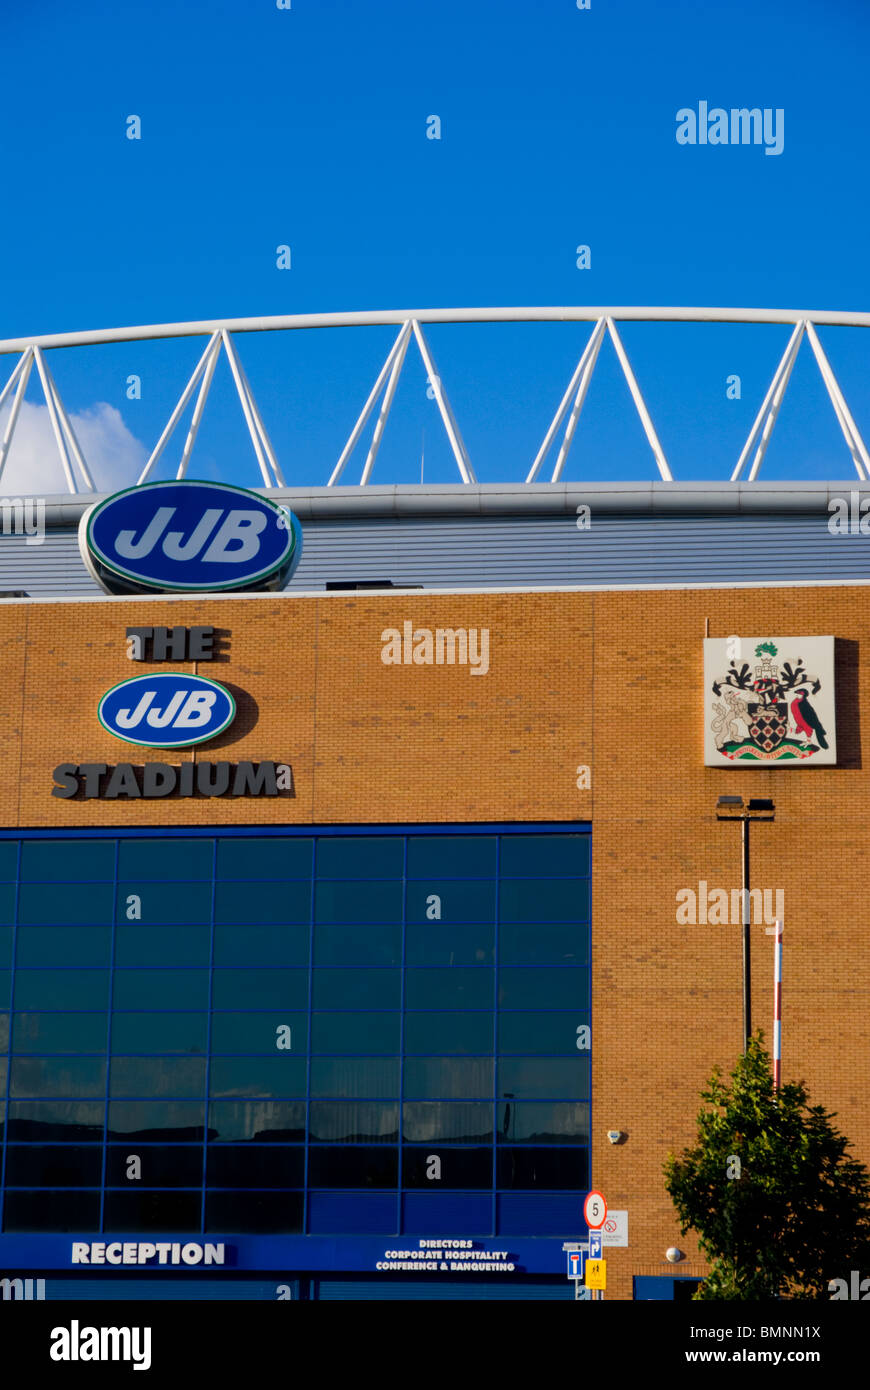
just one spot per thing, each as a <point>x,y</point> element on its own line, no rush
<point>7,903</point>
<point>65,904</point>
<point>139,945</point>
<point>278,857</point>
<point>252,1166</point>
<point>179,1120</point>
<point>443,943</point>
<point>51,1211</point>
<point>259,1032</point>
<point>159,1032</point>
<point>453,988</point>
<point>61,989</point>
<point>159,1165</point>
<point>8,860</point>
<point>442,1122</point>
<point>450,1077</point>
<point>152,1211</point>
<point>354,1122</point>
<point>59,1033</point>
<point>62,861</point>
<point>353,1166</point>
<point>358,1033</point>
<point>271,1121</point>
<point>164,904</point>
<point>287,1031</point>
<point>554,1078</point>
<point>270,1213</point>
<point>358,902</point>
<point>541,1033</point>
<point>272,903</point>
<point>535,1168</point>
<point>160,989</point>
<point>75,946</point>
<point>54,1165</point>
<point>457,856</point>
<point>539,988</point>
<point>355,945</point>
<point>157,1076</point>
<point>458,900</point>
<point>363,856</point>
<point>457,1167</point>
<point>543,943</point>
<point>55,1121</point>
<point>55,1076</point>
<point>282,1075</point>
<point>172,860</point>
<point>544,900</point>
<point>524,1122</point>
<point>357,989</point>
<point>260,989</point>
<point>355,1076</point>
<point>256,945</point>
<point>443,1033</point>
<point>544,856</point>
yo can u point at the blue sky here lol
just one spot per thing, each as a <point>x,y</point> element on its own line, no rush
<point>307,127</point>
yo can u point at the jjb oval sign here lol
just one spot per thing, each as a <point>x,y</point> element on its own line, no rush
<point>190,537</point>
<point>167,710</point>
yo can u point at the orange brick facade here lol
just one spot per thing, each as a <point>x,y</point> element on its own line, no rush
<point>612,681</point>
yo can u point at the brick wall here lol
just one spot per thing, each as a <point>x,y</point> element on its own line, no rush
<point>611,680</point>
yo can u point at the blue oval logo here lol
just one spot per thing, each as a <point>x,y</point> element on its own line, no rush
<point>167,710</point>
<point>189,536</point>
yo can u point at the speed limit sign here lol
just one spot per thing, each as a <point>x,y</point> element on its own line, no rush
<point>594,1211</point>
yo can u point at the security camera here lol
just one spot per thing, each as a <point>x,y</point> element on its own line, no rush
<point>614,1135</point>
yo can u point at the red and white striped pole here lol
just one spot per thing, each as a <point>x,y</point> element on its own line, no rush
<point>776,933</point>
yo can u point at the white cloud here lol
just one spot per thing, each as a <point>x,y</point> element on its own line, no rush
<point>114,456</point>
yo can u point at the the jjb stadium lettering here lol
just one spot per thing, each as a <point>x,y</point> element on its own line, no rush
<point>153,780</point>
<point>171,644</point>
<point>234,542</point>
<point>188,536</point>
<point>167,709</point>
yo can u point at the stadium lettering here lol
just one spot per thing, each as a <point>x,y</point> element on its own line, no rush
<point>127,782</point>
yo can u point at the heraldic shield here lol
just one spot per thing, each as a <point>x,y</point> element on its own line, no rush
<point>768,725</point>
<point>775,708</point>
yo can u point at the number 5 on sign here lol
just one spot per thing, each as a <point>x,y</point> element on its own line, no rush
<point>594,1211</point>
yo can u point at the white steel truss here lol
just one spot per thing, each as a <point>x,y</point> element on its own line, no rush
<point>64,434</point>
<point>409,322</point>
<point>759,435</point>
<point>581,379</point>
<point>203,373</point>
<point>393,367</point>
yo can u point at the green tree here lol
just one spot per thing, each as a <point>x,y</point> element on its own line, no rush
<point>778,1207</point>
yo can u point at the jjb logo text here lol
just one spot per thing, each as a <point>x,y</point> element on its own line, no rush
<point>192,537</point>
<point>167,710</point>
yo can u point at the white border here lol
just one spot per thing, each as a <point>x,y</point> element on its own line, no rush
<point>400,593</point>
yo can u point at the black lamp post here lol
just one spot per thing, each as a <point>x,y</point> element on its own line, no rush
<point>731,808</point>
